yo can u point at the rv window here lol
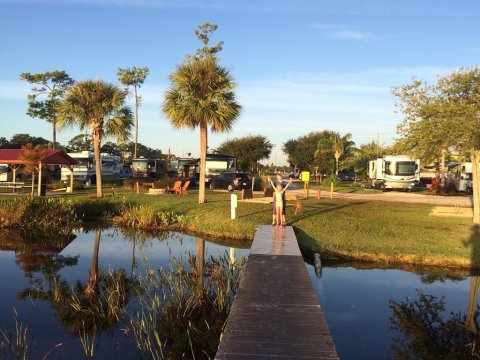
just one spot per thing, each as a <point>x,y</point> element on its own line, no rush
<point>400,168</point>
<point>139,164</point>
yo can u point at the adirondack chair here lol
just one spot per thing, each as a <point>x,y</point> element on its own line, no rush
<point>176,187</point>
<point>183,189</point>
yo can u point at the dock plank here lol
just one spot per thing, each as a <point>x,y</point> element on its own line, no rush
<point>276,313</point>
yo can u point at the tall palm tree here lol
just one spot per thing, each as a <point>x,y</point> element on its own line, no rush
<point>340,145</point>
<point>99,106</point>
<point>201,95</point>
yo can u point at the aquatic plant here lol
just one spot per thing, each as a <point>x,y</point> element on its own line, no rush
<point>183,309</point>
<point>14,343</point>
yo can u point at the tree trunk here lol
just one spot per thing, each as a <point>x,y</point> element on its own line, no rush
<point>54,126</point>
<point>336,164</point>
<point>442,180</point>
<point>33,183</point>
<point>98,161</point>
<point>203,163</point>
<point>92,283</point>
<point>476,186</point>
<point>136,124</point>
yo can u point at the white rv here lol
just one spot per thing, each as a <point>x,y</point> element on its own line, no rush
<point>84,170</point>
<point>464,177</point>
<point>394,172</point>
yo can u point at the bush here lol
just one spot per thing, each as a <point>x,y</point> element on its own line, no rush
<point>42,213</point>
<point>60,184</point>
<point>146,218</point>
<point>261,183</point>
<point>98,208</point>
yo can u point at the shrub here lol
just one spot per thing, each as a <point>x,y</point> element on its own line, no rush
<point>41,213</point>
<point>98,208</point>
<point>261,183</point>
<point>146,218</point>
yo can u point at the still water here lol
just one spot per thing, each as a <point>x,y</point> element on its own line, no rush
<point>355,301</point>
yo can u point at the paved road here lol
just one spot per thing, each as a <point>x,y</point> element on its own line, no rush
<point>396,196</point>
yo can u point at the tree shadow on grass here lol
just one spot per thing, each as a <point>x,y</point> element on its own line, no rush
<point>474,243</point>
<point>317,211</point>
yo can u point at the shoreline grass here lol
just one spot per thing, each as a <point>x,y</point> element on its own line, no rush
<point>382,232</point>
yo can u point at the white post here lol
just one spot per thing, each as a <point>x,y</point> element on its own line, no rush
<point>233,206</point>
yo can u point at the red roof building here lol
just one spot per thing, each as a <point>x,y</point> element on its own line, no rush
<point>52,157</point>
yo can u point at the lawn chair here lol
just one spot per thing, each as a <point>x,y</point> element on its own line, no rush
<point>176,188</point>
<point>183,189</point>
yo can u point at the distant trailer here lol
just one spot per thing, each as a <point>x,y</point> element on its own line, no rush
<point>149,168</point>
<point>85,170</point>
<point>394,172</point>
<point>463,176</point>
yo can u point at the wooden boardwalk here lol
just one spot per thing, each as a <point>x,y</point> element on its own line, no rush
<point>276,313</point>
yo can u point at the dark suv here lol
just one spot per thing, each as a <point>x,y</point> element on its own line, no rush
<point>230,181</point>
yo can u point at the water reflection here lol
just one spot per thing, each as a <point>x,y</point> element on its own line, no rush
<point>426,332</point>
<point>357,300</point>
<point>185,294</point>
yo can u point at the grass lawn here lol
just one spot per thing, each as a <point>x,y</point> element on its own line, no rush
<point>367,230</point>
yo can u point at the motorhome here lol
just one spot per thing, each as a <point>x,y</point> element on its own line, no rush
<point>219,163</point>
<point>463,176</point>
<point>394,172</point>
<point>149,168</point>
<point>84,170</point>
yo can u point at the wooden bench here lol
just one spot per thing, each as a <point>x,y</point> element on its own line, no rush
<point>11,186</point>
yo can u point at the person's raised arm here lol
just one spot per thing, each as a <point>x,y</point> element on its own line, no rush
<point>286,187</point>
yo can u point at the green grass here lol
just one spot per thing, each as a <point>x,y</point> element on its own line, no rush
<point>366,230</point>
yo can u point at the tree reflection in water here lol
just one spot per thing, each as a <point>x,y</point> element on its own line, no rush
<point>86,309</point>
<point>429,334</point>
<point>177,311</point>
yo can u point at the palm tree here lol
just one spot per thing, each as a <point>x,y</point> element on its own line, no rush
<point>99,106</point>
<point>340,145</point>
<point>201,94</point>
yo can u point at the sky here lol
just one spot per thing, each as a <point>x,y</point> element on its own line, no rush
<point>299,66</point>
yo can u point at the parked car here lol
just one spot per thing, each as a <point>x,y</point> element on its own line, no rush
<point>231,181</point>
<point>346,176</point>
<point>125,173</point>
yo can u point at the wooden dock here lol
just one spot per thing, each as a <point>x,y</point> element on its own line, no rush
<point>276,313</point>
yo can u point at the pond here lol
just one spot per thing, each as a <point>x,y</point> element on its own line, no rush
<point>43,282</point>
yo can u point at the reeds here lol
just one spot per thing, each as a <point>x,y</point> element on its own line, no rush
<point>14,344</point>
<point>182,310</point>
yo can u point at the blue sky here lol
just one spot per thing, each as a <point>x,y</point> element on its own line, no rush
<point>300,66</point>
